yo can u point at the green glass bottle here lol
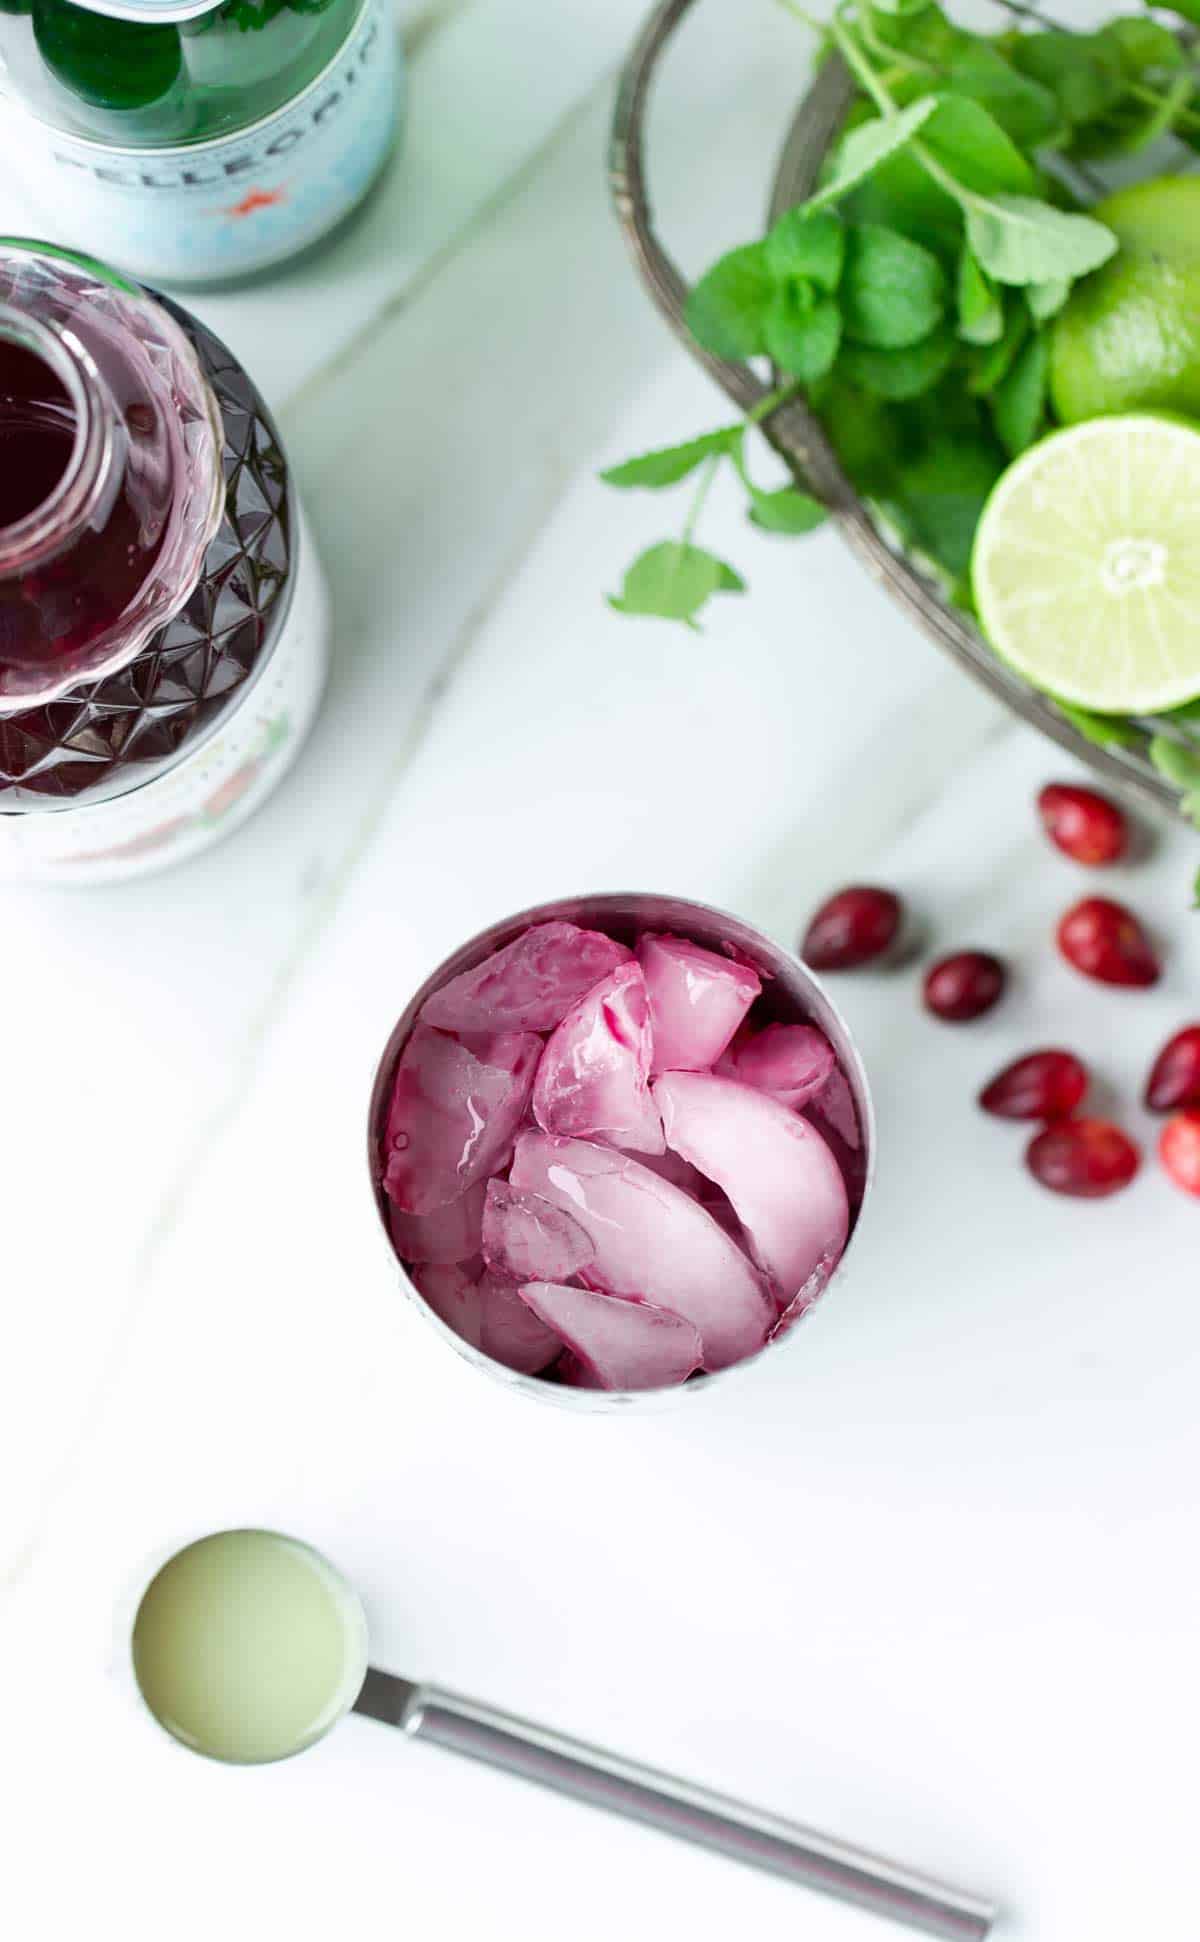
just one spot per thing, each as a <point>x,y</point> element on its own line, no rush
<point>198,141</point>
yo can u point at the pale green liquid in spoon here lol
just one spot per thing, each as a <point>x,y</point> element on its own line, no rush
<point>248,1646</point>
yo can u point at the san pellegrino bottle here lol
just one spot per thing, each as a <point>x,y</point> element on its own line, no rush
<point>197,141</point>
<point>163,619</point>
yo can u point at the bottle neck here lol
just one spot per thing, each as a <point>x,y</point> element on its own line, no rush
<point>75,401</point>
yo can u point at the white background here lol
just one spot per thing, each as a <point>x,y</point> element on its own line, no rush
<point>928,1579</point>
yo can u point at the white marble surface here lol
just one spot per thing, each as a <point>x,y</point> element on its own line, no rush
<point>928,1580</point>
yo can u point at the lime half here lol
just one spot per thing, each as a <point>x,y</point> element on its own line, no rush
<point>1086,565</point>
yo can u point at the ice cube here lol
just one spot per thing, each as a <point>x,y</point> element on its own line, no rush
<point>697,1001</point>
<point>511,1332</point>
<point>783,1182</point>
<point>453,1295</point>
<point>651,1240</point>
<point>530,1238</point>
<point>485,1309</point>
<point>594,1078</point>
<point>791,1062</point>
<point>624,1344</point>
<point>530,985</point>
<point>454,1114</point>
<point>450,1233</point>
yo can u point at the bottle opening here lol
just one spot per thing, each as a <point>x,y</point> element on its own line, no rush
<point>38,429</point>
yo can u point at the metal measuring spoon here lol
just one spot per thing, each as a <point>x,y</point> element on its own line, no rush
<point>253,1623</point>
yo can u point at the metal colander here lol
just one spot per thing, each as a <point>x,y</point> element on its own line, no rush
<point>797,434</point>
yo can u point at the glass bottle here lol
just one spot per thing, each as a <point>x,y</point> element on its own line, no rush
<point>163,620</point>
<point>197,141</point>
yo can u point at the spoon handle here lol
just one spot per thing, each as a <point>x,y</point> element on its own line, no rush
<point>675,1807</point>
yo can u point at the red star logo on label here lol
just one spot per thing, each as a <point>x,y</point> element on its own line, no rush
<point>256,199</point>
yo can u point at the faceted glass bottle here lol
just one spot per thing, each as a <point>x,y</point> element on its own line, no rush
<point>163,620</point>
<point>198,141</point>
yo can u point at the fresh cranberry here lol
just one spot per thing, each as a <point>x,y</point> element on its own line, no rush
<point>1179,1151</point>
<point>1083,824</point>
<point>1175,1075</point>
<point>964,986</point>
<point>1105,941</point>
<point>851,928</point>
<point>1042,1085</point>
<point>1086,1158</point>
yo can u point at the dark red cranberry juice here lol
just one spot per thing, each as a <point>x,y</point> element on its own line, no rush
<point>73,587</point>
<point>37,431</point>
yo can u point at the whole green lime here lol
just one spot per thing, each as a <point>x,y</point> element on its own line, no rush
<point>1128,338</point>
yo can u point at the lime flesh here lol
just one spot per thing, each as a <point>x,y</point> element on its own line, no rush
<point>1128,338</point>
<point>1086,566</point>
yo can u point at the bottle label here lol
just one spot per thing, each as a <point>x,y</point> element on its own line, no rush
<point>208,793</point>
<point>226,208</point>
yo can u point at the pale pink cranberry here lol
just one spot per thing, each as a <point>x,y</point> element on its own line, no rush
<point>1179,1151</point>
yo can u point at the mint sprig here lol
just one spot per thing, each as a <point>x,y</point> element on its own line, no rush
<point>910,298</point>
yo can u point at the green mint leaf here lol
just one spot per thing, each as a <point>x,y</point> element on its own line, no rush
<point>1188,711</point>
<point>892,291</point>
<point>1027,112</point>
<point>1082,71</point>
<point>1018,240</point>
<point>1142,46</point>
<point>672,581</point>
<point>803,338</point>
<point>864,148</point>
<point>1181,767</point>
<point>994,362</point>
<point>1045,300</point>
<point>726,309</point>
<point>968,141</point>
<point>1106,731</point>
<point>900,7</point>
<point>943,491</point>
<point>786,511</point>
<point>803,245</point>
<point>980,310</point>
<point>899,374</point>
<point>1019,402</point>
<point>671,463</point>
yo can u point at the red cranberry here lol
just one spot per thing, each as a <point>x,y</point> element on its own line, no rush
<point>1179,1151</point>
<point>1083,824</point>
<point>1086,1158</point>
<point>851,928</point>
<point>1042,1085</point>
<point>964,986</point>
<point>1105,941</point>
<point>1175,1075</point>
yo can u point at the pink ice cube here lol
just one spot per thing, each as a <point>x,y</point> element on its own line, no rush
<point>530,985</point>
<point>453,1295</point>
<point>531,1238</point>
<point>625,1344</point>
<point>512,1333</point>
<point>454,1114</point>
<point>783,1182</point>
<point>791,1062</point>
<point>488,1313</point>
<point>697,1001</point>
<point>450,1233</point>
<point>652,1241</point>
<point>594,1078</point>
